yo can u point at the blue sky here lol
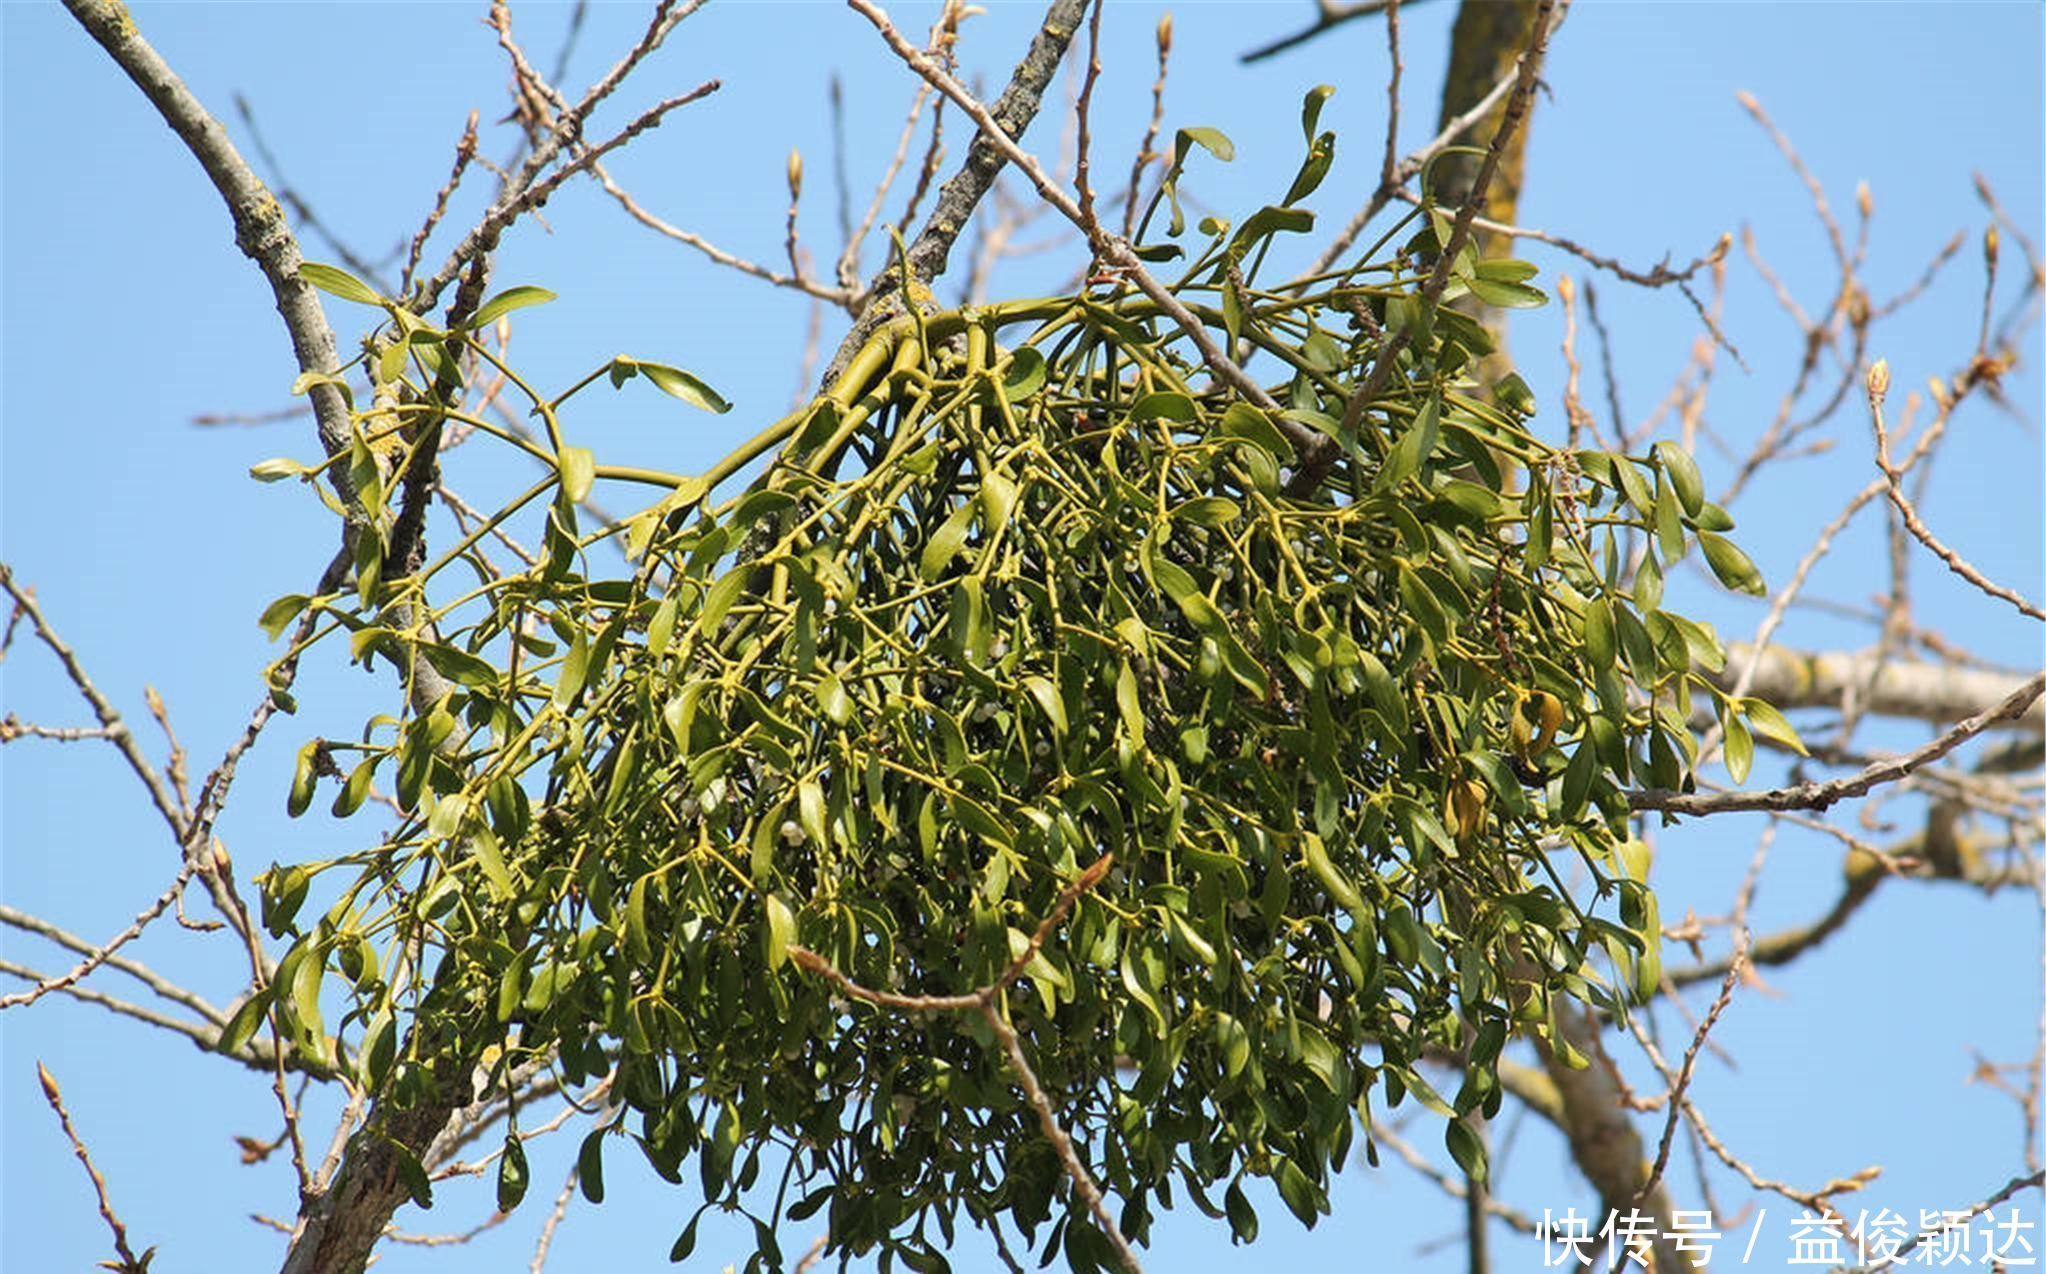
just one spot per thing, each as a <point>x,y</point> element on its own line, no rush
<point>126,311</point>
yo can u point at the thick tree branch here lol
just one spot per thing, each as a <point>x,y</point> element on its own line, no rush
<point>260,228</point>
<point>1791,678</point>
<point>1604,1143</point>
<point>1817,796</point>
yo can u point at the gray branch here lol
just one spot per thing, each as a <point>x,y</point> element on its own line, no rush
<point>931,251</point>
<point>261,231</point>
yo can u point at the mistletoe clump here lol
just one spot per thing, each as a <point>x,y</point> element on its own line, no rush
<point>1349,684</point>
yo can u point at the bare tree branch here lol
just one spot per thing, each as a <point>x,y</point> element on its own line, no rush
<point>1817,796</point>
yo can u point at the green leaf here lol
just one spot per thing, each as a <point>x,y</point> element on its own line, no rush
<point>1423,605</point>
<point>277,616</point>
<point>1577,778</point>
<point>660,630</point>
<point>832,699</point>
<point>460,666</point>
<point>1541,527</point>
<point>1310,109</point>
<point>685,1243</point>
<point>1766,721</point>
<point>512,1174</point>
<point>303,776</point>
<point>1683,475</point>
<point>781,931</point>
<point>306,380</point>
<point>1241,420</point>
<point>1163,405</point>
<point>1024,375</point>
<point>1234,1043</point>
<point>283,893</point>
<point>981,821</point>
<point>1209,510</point>
<point>589,1166</point>
<point>1713,518</point>
<point>1504,295</point>
<point>1336,885</point>
<point>578,472</point>
<point>1302,1197</point>
<point>352,794</point>
<point>1468,1149</point>
<point>1506,270</point>
<point>1600,645</point>
<point>997,500</point>
<point>1733,567</point>
<point>516,298</point>
<point>721,597</point>
<point>810,813</point>
<point>1048,701</point>
<point>247,1020</point>
<point>671,380</point>
<point>1211,140</point>
<point>1416,444</point>
<point>1648,584</point>
<point>1669,524</point>
<point>338,282</point>
<point>575,666</point>
<point>305,1001</point>
<point>276,470</point>
<point>1268,221</point>
<point>1740,747</point>
<point>1129,705</point>
<point>1242,1216</point>
<point>947,540</point>
<point>1633,484</point>
<point>412,1173</point>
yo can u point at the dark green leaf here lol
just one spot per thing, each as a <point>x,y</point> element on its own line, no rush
<point>247,1020</point>
<point>589,1166</point>
<point>512,1174</point>
<point>1468,1149</point>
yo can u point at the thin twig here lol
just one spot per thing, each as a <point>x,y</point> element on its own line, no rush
<point>1083,155</point>
<point>1328,15</point>
<point>1145,153</point>
<point>1895,1259</point>
<point>465,152</point>
<point>1389,165</point>
<point>105,951</point>
<point>554,1218</point>
<point>1878,387</point>
<point>128,1263</point>
<point>1407,170</point>
<point>520,191</point>
<point>1816,795</point>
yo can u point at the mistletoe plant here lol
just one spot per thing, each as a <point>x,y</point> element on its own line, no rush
<point>1350,690</point>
